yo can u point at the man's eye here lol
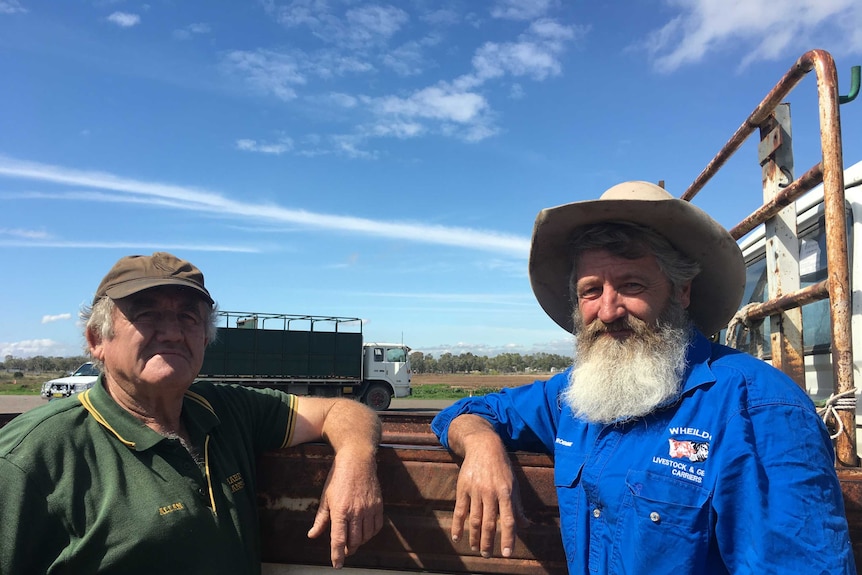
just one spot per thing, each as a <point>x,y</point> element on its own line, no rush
<point>631,287</point>
<point>589,293</point>
<point>146,315</point>
<point>190,318</point>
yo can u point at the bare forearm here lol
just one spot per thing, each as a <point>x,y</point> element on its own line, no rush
<point>468,430</point>
<point>343,423</point>
<point>350,425</point>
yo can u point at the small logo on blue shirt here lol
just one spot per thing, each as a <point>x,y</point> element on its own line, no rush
<point>697,451</point>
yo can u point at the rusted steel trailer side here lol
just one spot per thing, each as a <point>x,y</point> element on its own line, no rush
<point>418,485</point>
<point>418,480</point>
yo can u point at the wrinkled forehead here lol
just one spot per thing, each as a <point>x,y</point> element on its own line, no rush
<point>600,261</point>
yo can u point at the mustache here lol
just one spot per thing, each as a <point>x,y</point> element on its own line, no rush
<point>597,327</point>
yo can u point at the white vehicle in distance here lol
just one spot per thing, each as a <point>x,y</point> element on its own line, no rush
<point>82,379</point>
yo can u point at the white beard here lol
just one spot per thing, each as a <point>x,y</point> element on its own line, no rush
<point>616,380</point>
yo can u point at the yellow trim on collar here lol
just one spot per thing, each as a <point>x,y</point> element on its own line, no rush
<point>84,398</point>
<point>201,400</point>
<point>208,476</point>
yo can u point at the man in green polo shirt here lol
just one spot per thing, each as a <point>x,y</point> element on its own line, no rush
<point>147,473</point>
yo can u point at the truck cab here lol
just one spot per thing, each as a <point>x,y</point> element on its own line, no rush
<point>386,374</point>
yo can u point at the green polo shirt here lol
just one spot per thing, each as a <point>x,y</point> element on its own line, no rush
<point>85,488</point>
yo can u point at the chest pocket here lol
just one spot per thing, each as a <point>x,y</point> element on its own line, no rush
<point>567,477</point>
<point>664,526</point>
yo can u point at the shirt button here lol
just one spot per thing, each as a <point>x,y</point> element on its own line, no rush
<point>654,517</point>
<point>597,512</point>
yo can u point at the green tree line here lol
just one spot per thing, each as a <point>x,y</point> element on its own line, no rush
<point>420,363</point>
<point>42,364</point>
<point>502,363</point>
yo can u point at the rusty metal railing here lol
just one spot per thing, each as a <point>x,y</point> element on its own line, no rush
<point>829,171</point>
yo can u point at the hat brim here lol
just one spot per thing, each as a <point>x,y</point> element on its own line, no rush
<point>715,293</point>
<point>130,287</point>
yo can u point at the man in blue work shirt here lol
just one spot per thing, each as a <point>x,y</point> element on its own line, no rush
<point>672,454</point>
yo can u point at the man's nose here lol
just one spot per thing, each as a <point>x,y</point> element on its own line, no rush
<point>169,326</point>
<point>611,306</point>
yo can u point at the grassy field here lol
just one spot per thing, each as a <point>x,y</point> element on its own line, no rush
<point>28,384</point>
<point>457,385</point>
<point>425,386</point>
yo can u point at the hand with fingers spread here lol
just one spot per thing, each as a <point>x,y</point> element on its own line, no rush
<point>487,490</point>
<point>351,502</point>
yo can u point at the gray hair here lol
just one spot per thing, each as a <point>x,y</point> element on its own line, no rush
<point>631,241</point>
<point>99,318</point>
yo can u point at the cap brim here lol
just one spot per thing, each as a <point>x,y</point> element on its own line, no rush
<point>127,288</point>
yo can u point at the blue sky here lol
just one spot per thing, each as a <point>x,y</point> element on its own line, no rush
<point>379,160</point>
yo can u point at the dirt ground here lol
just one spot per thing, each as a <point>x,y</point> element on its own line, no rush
<point>474,381</point>
<point>20,403</point>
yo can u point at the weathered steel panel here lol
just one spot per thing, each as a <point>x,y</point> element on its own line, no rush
<point>418,485</point>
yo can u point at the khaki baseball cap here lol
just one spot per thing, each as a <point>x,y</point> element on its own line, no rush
<point>133,274</point>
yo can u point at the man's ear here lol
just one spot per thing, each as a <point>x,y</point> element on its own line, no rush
<point>94,343</point>
<point>685,295</point>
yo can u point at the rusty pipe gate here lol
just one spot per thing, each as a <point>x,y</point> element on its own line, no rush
<point>830,171</point>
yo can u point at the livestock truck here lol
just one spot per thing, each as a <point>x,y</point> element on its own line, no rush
<point>307,355</point>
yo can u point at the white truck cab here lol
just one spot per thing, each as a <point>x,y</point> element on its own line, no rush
<point>386,372</point>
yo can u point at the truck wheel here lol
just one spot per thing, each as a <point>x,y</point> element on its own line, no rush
<point>377,397</point>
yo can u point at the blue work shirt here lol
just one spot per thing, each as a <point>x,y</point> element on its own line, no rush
<point>735,475</point>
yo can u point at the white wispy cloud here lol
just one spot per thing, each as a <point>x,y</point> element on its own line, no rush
<point>435,102</point>
<point>373,23</point>
<point>124,19</point>
<point>457,108</point>
<point>357,42</point>
<point>58,317</point>
<point>34,347</point>
<point>753,26</point>
<point>522,9</point>
<point>11,7</point>
<point>357,28</point>
<point>25,234</point>
<point>199,200</point>
<point>196,29</point>
<point>266,71</point>
<point>409,58</point>
<point>276,148</point>
<point>281,73</point>
<point>71,244</point>
<point>536,54</point>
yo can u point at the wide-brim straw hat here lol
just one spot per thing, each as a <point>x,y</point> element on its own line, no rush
<point>717,290</point>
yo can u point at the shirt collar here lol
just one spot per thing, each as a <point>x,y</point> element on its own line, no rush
<point>197,413</point>
<point>697,370</point>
